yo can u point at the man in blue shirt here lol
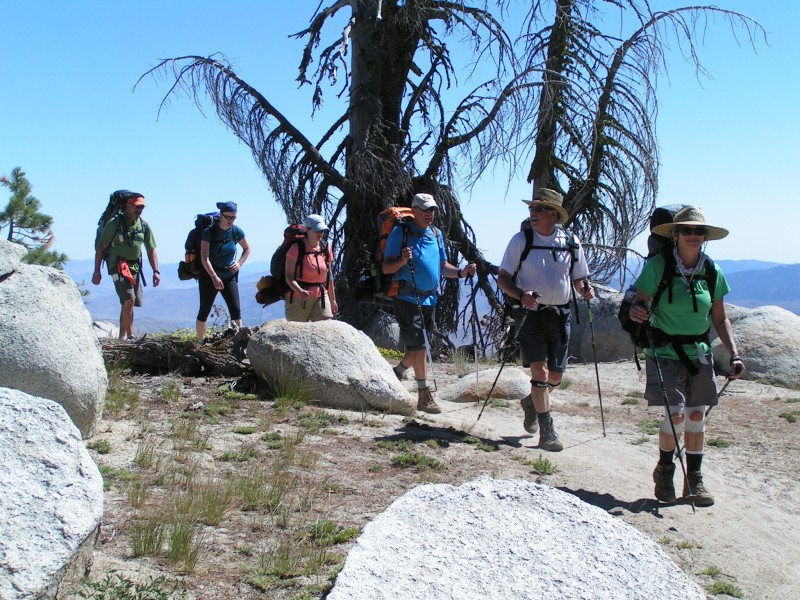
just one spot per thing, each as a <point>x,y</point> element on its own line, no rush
<point>416,257</point>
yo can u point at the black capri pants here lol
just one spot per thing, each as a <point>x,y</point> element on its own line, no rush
<point>230,293</point>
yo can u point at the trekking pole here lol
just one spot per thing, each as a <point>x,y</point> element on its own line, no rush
<point>424,329</point>
<point>474,321</point>
<point>509,346</point>
<point>663,386</point>
<point>594,353</point>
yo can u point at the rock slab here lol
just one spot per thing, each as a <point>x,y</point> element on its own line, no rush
<point>51,496</point>
<point>505,539</point>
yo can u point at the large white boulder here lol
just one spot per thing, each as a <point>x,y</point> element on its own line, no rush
<point>51,498</point>
<point>766,338</point>
<point>339,364</point>
<point>505,539</point>
<point>47,345</point>
<point>611,343</point>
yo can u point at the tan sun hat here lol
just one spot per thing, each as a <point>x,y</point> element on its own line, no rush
<point>691,216</point>
<point>550,199</point>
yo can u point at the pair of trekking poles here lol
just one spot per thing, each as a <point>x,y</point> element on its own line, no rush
<point>513,338</point>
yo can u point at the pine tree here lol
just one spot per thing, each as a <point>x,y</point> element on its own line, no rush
<point>26,225</point>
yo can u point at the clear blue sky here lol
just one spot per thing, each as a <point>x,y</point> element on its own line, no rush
<point>71,120</point>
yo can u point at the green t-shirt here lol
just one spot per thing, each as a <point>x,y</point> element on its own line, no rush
<point>679,317</point>
<point>125,241</point>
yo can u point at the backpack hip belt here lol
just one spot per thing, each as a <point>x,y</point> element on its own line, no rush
<point>662,339</point>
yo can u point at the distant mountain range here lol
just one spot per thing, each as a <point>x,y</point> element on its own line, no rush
<point>173,305</point>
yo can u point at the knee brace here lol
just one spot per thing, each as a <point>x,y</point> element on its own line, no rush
<point>677,417</point>
<point>554,385</point>
<point>539,384</point>
<point>696,419</point>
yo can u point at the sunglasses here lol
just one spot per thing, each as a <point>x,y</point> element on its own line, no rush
<point>692,230</point>
<point>230,217</point>
<point>539,208</point>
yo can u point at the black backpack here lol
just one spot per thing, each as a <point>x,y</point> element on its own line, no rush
<point>115,209</point>
<point>663,245</point>
<point>273,287</point>
<point>190,267</point>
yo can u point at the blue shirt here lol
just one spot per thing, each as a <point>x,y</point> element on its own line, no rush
<point>428,255</point>
<point>222,251</point>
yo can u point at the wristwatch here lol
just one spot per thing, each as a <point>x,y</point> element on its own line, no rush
<point>157,271</point>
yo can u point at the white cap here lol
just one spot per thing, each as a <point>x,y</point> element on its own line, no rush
<point>424,202</point>
<point>315,223</point>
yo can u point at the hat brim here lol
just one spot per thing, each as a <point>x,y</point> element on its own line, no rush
<point>563,216</point>
<point>714,233</point>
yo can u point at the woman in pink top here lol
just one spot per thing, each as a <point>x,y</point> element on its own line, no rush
<point>311,296</point>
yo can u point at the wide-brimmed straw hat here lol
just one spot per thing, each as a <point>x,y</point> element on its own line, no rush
<point>550,199</point>
<point>691,216</point>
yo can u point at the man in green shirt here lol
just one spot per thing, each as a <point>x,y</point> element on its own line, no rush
<point>124,235</point>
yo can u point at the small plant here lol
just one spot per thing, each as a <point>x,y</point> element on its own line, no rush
<point>375,468</point>
<point>290,389</point>
<point>170,390</point>
<point>315,421</point>
<point>723,587</point>
<point>120,394</point>
<point>462,362</point>
<point>243,455</point>
<point>388,353</point>
<point>630,401</point>
<point>649,426</point>
<point>184,544</point>
<point>333,488</point>
<point>100,446</point>
<point>145,456</point>
<point>717,443</point>
<point>213,499</point>
<point>417,460</point>
<point>792,400</point>
<point>710,571</point>
<point>326,533</point>
<point>398,445</point>
<point>687,545</point>
<point>498,403</point>
<point>791,417</point>
<point>543,466</point>
<point>640,440</point>
<point>565,383</point>
<point>147,536</point>
<point>187,435</point>
<point>479,444</point>
<point>245,430</point>
<point>137,493</point>
<point>116,587</point>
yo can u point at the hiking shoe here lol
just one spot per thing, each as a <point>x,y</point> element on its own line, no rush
<point>530,423</point>
<point>700,495</point>
<point>548,438</point>
<point>665,488</point>
<point>426,402</point>
<point>398,374</point>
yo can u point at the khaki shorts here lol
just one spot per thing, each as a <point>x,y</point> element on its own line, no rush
<point>310,310</point>
<point>682,388</point>
<point>126,291</point>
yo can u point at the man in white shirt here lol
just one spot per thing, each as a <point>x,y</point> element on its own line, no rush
<point>539,268</point>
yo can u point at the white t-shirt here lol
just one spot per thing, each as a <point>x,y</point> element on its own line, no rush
<point>546,271</point>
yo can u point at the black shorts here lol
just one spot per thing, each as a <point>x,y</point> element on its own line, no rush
<point>545,338</point>
<point>413,327</point>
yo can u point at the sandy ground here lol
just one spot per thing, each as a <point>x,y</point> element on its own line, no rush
<point>751,535</point>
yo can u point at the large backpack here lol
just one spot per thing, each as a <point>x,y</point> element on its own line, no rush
<point>373,285</point>
<point>273,287</point>
<point>115,210</point>
<point>190,267</point>
<point>663,245</point>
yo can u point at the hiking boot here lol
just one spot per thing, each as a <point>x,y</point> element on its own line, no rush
<point>398,374</point>
<point>700,495</point>
<point>665,489</point>
<point>426,402</point>
<point>548,438</point>
<point>530,423</point>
